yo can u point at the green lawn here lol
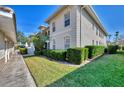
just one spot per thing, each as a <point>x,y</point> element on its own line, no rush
<point>105,71</point>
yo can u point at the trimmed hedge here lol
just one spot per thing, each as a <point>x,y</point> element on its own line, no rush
<point>77,55</point>
<point>37,53</point>
<point>23,50</point>
<point>55,54</point>
<point>122,47</point>
<point>86,53</point>
<point>112,49</point>
<point>95,51</point>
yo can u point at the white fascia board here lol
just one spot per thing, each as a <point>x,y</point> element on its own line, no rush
<point>6,14</point>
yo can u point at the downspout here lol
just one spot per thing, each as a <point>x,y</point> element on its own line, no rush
<point>81,22</point>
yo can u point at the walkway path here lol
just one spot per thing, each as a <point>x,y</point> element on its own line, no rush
<point>15,74</point>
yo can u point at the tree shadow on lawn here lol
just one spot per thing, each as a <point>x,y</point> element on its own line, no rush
<point>95,74</point>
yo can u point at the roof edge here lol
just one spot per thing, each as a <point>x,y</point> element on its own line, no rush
<point>91,11</point>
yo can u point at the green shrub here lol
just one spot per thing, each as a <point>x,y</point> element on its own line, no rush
<point>23,50</point>
<point>119,47</point>
<point>17,47</point>
<point>44,52</point>
<point>122,47</point>
<point>86,53</point>
<point>112,49</point>
<point>95,51</point>
<point>77,55</point>
<point>106,50</point>
<point>37,53</point>
<point>55,54</point>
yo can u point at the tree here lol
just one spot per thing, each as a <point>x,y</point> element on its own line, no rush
<point>38,40</point>
<point>116,36</point>
<point>21,37</point>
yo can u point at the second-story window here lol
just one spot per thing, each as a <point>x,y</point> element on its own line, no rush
<point>53,27</point>
<point>93,26</point>
<point>97,31</point>
<point>67,19</point>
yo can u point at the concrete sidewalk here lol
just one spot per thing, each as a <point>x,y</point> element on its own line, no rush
<point>15,73</point>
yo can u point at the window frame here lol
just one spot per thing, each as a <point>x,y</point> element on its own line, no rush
<point>53,27</point>
<point>97,43</point>
<point>93,42</point>
<point>97,31</point>
<point>67,20</point>
<point>54,44</point>
<point>67,41</point>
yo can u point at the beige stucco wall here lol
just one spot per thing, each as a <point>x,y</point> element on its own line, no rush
<point>62,31</point>
<point>5,49</point>
<point>87,33</point>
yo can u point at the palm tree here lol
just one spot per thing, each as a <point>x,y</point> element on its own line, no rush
<point>116,36</point>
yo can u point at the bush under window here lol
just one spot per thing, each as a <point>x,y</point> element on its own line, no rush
<point>77,55</point>
<point>55,54</point>
<point>95,51</point>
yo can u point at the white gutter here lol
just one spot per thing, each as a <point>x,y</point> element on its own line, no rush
<point>81,23</point>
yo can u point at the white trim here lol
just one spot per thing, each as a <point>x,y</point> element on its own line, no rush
<point>69,41</point>
<point>60,32</point>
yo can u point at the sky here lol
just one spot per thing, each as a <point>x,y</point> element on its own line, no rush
<point>29,18</point>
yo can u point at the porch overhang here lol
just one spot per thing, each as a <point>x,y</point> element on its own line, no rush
<point>8,23</point>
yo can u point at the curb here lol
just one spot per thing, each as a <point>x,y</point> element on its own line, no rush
<point>29,76</point>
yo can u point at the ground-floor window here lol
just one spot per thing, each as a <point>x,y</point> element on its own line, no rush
<point>54,44</point>
<point>67,42</point>
<point>92,42</point>
<point>97,43</point>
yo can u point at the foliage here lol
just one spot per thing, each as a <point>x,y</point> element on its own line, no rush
<point>95,51</point>
<point>77,55</point>
<point>37,53</point>
<point>55,54</point>
<point>116,36</point>
<point>39,41</point>
<point>23,50</point>
<point>112,49</point>
<point>122,47</point>
<point>21,37</point>
<point>86,54</point>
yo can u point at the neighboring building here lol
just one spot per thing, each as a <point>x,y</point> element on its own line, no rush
<point>75,26</point>
<point>7,33</point>
<point>45,31</point>
<point>120,42</point>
